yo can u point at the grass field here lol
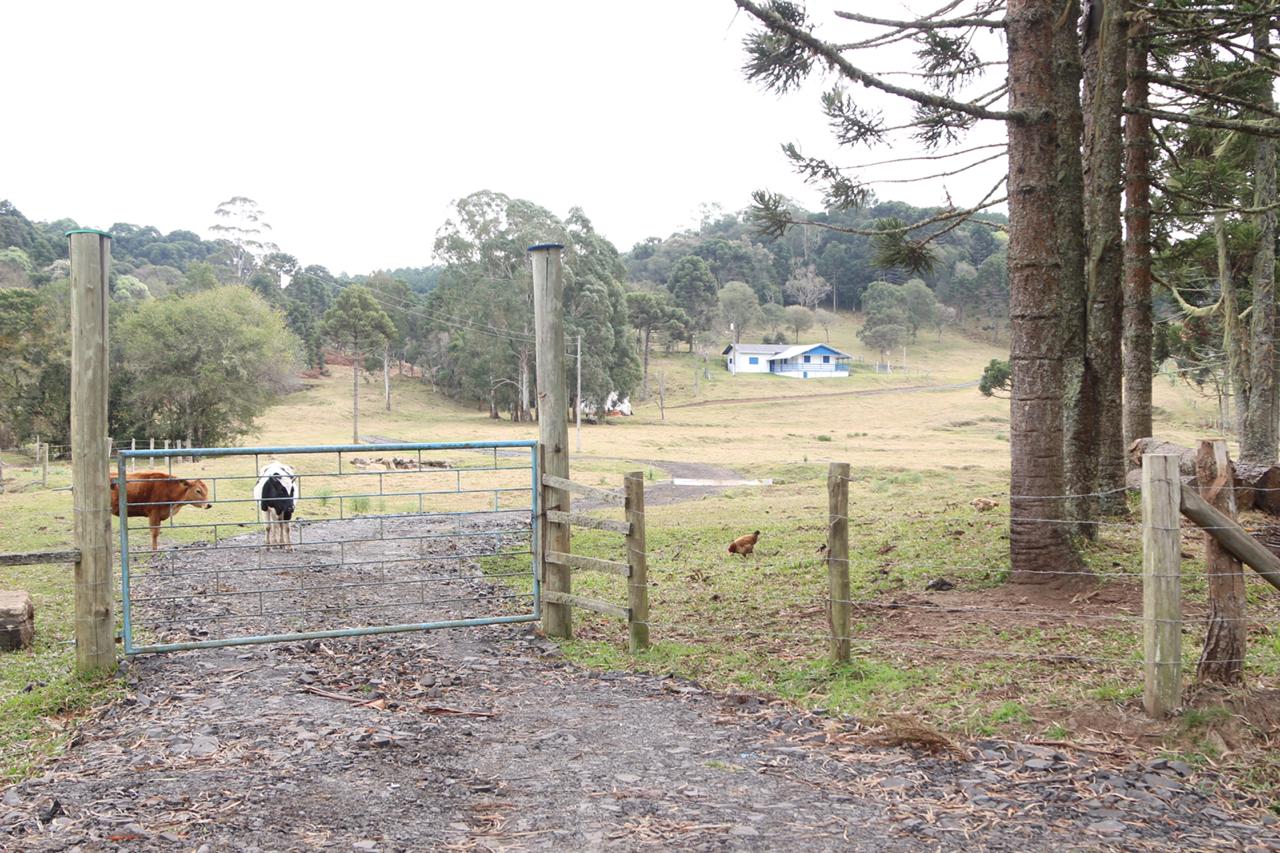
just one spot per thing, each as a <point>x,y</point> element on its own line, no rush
<point>984,658</point>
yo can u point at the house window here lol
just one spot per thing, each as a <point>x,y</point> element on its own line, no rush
<point>751,359</point>
<point>806,359</point>
<point>826,359</point>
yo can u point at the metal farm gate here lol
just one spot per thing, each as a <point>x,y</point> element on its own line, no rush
<point>385,537</point>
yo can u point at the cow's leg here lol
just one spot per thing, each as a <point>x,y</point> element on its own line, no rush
<point>155,532</point>
<point>271,527</point>
<point>288,535</point>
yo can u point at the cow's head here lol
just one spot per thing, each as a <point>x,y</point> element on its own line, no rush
<point>196,493</point>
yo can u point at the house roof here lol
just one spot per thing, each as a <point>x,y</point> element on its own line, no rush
<point>792,352</point>
<point>755,349</point>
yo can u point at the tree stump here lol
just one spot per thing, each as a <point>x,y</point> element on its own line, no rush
<point>17,621</point>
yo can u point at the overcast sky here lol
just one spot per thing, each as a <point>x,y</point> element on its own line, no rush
<point>355,125</point>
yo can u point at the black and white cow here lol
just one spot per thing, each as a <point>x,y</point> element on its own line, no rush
<point>276,493</point>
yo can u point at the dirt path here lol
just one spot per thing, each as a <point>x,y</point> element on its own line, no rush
<point>866,392</point>
<point>667,492</point>
<point>258,749</point>
<point>483,738</point>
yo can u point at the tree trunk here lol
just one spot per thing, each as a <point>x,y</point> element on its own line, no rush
<point>1079,451</point>
<point>1222,659</point>
<point>1138,367</point>
<point>644,382</point>
<point>1233,334</point>
<point>1039,551</point>
<point>524,386</point>
<point>355,399</point>
<point>1259,438</point>
<point>1105,56</point>
<point>386,374</point>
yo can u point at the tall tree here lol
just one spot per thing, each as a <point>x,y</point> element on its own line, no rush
<point>1138,314</point>
<point>357,324</point>
<point>787,51</point>
<point>244,226</point>
<point>1105,55</point>
<point>693,289</point>
<point>806,287</point>
<point>799,320</point>
<point>1040,549</point>
<point>647,311</point>
<point>202,367</point>
<point>1261,433</point>
<point>739,307</point>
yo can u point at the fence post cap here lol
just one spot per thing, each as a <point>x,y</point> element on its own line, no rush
<point>106,234</point>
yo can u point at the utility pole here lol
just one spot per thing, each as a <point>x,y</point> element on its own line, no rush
<point>577,400</point>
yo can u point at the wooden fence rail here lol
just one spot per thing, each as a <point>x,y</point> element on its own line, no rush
<point>634,569</point>
<point>1164,499</point>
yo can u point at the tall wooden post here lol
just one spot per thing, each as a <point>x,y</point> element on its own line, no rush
<point>638,583</point>
<point>44,465</point>
<point>90,268</point>
<point>1161,584</point>
<point>838,559</point>
<point>553,423</point>
<point>1222,658</point>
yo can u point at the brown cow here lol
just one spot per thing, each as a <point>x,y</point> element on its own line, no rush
<point>158,496</point>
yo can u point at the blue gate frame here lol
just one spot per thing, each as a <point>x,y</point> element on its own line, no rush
<point>126,455</point>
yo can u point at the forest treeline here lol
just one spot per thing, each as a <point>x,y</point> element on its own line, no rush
<point>206,332</point>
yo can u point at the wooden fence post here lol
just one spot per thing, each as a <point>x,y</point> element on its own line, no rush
<point>133,462</point>
<point>44,466</point>
<point>151,462</point>
<point>90,450</point>
<point>1161,584</point>
<point>1222,658</point>
<point>638,583</point>
<point>838,559</point>
<point>553,424</point>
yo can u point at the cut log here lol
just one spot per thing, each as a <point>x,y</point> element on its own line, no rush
<point>1186,456</point>
<point>17,621</point>
<point>1257,486</point>
<point>1133,479</point>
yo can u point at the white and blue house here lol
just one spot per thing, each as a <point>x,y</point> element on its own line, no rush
<point>802,361</point>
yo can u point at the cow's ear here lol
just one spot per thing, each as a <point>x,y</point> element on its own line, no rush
<point>185,482</point>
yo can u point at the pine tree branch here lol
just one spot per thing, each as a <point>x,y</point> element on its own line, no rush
<point>1252,128</point>
<point>832,57</point>
<point>948,155</point>
<point>1187,308</point>
<point>1208,94</point>
<point>923,23</point>
<point>935,175</point>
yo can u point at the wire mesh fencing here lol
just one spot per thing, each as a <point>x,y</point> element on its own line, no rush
<point>382,538</point>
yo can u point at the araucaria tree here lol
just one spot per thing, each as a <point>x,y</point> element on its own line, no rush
<point>356,324</point>
<point>693,289</point>
<point>786,50</point>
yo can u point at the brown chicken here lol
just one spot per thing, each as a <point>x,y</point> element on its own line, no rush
<point>744,545</point>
